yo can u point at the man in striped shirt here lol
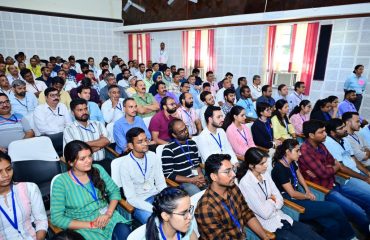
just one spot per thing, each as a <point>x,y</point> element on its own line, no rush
<point>93,133</point>
<point>180,159</point>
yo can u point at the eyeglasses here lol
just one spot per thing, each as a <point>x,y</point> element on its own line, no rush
<point>6,102</point>
<point>171,104</point>
<point>187,213</point>
<point>182,131</point>
<point>54,95</point>
<point>268,110</point>
<point>228,171</point>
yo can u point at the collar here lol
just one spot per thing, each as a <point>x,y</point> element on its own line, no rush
<point>76,123</point>
<point>253,178</point>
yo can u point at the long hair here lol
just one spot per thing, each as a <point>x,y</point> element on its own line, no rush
<point>236,110</point>
<point>71,151</point>
<point>319,104</point>
<point>165,201</point>
<point>288,144</point>
<point>298,108</point>
<point>253,156</point>
<point>279,105</point>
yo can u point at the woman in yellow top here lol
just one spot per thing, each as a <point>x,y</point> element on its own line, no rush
<point>281,125</point>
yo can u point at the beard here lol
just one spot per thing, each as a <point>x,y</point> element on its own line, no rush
<point>216,125</point>
<point>22,94</point>
<point>83,118</point>
<point>188,105</point>
<point>183,138</point>
<point>171,111</point>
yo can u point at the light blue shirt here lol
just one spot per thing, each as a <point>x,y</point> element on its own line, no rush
<point>365,134</point>
<point>346,106</point>
<point>23,106</point>
<point>355,83</point>
<point>95,112</point>
<point>196,101</point>
<point>341,154</point>
<point>248,105</point>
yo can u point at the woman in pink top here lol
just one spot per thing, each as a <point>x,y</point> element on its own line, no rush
<point>299,115</point>
<point>237,132</point>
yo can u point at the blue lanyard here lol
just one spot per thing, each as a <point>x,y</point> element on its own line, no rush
<point>219,143</point>
<point>248,104</point>
<point>303,119</point>
<point>264,192</point>
<point>146,165</point>
<point>88,129</point>
<point>15,120</point>
<point>15,222</point>
<point>268,128</point>
<point>189,115</point>
<point>26,106</point>
<point>357,139</point>
<point>93,192</point>
<point>186,154</point>
<point>119,106</point>
<point>295,178</point>
<point>164,237</point>
<point>233,218</point>
<point>244,136</point>
<point>60,115</point>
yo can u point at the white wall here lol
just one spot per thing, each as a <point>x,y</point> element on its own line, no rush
<point>95,8</point>
<point>173,41</point>
<point>52,36</point>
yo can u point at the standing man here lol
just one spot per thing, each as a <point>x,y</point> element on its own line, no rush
<point>162,57</point>
<point>187,113</point>
<point>256,88</point>
<point>295,98</point>
<point>22,101</point>
<point>356,82</point>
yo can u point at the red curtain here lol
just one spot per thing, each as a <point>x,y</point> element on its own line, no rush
<point>271,48</point>
<point>198,38</point>
<point>139,47</point>
<point>130,47</point>
<point>292,44</point>
<point>185,43</point>
<point>309,55</point>
<point>211,50</point>
<point>147,47</point>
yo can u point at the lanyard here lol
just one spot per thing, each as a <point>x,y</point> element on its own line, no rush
<point>219,143</point>
<point>35,87</point>
<point>264,193</point>
<point>119,106</point>
<point>186,154</point>
<point>60,115</point>
<point>353,108</point>
<point>244,135</point>
<point>268,128</point>
<point>357,139</point>
<point>298,96</point>
<point>295,178</point>
<point>248,104</point>
<point>303,119</point>
<point>88,129</point>
<point>233,218</point>
<point>93,192</point>
<point>15,222</point>
<point>26,106</point>
<point>189,115</point>
<point>15,120</point>
<point>146,164</point>
<point>286,126</point>
<point>164,236</point>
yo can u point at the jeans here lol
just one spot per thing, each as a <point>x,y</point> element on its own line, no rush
<point>141,215</point>
<point>190,188</point>
<point>297,231</point>
<point>329,215</point>
<point>121,231</point>
<point>354,199</point>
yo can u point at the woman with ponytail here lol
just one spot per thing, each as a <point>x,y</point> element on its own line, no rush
<point>283,129</point>
<point>237,132</point>
<point>172,216</point>
<point>292,185</point>
<point>299,115</point>
<point>84,199</point>
<point>321,110</point>
<point>334,101</point>
<point>265,200</point>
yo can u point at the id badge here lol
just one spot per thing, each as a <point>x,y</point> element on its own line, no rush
<point>194,171</point>
<point>103,210</point>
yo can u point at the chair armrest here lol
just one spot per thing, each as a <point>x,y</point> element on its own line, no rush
<point>240,158</point>
<point>294,206</point>
<point>171,183</point>
<point>318,187</point>
<point>263,149</point>
<point>112,151</point>
<point>343,175</point>
<point>123,203</point>
<point>53,228</point>
<point>201,165</point>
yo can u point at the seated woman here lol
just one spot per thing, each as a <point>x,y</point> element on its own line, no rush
<point>299,115</point>
<point>334,102</point>
<point>21,206</point>
<point>321,110</point>
<point>265,200</point>
<point>172,216</point>
<point>237,132</point>
<point>262,131</point>
<point>283,129</point>
<point>84,199</point>
<point>292,185</point>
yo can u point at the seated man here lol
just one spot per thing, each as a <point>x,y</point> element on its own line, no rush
<point>94,110</point>
<point>162,92</point>
<point>208,100</point>
<point>141,174</point>
<point>195,91</point>
<point>12,126</point>
<point>229,97</point>
<point>246,102</point>
<point>147,106</point>
<point>226,83</point>
<point>175,85</point>
<point>318,165</point>
<point>32,86</point>
<point>58,83</point>
<point>51,118</point>
<point>22,101</point>
<point>4,85</point>
<point>188,115</point>
<point>91,132</point>
<point>104,92</point>
<point>158,126</point>
<point>180,159</point>
<point>112,108</point>
<point>365,135</point>
<point>45,77</point>
<point>348,105</point>
<point>125,123</point>
<point>222,212</point>
<point>86,82</point>
<point>242,81</point>
<point>266,96</point>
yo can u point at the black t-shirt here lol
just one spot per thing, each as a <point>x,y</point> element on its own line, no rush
<point>282,175</point>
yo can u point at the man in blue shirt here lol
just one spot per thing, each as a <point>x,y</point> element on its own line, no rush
<point>124,124</point>
<point>348,105</point>
<point>246,102</point>
<point>22,101</point>
<point>266,96</point>
<point>95,113</point>
<point>356,82</point>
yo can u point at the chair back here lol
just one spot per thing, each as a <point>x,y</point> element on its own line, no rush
<point>115,165</point>
<point>159,150</point>
<point>194,201</point>
<point>110,131</point>
<point>147,121</point>
<point>138,233</point>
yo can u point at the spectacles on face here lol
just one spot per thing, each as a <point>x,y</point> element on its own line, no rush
<point>6,102</point>
<point>57,95</point>
<point>268,110</point>
<point>171,104</point>
<point>228,171</point>
<point>180,132</point>
<point>187,213</point>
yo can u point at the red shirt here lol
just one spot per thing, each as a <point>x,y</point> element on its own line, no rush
<point>159,123</point>
<point>320,162</point>
<point>79,77</point>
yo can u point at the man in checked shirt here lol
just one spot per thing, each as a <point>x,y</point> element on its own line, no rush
<point>222,212</point>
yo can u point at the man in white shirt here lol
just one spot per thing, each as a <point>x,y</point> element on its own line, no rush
<point>226,83</point>
<point>32,85</point>
<point>208,100</point>
<point>73,64</point>
<point>93,133</point>
<point>92,67</point>
<point>141,174</point>
<point>13,74</point>
<point>22,101</point>
<point>162,57</point>
<point>5,87</point>
<point>188,115</point>
<point>256,90</point>
<point>112,109</point>
<point>213,138</point>
<point>141,73</point>
<point>51,118</point>
<point>295,98</point>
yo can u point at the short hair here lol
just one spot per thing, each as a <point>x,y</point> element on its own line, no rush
<point>281,86</point>
<point>164,101</point>
<point>183,83</point>
<point>174,74</point>
<point>87,71</point>
<point>51,58</point>
<point>86,82</point>
<point>195,70</point>
<point>157,84</point>
<point>149,70</point>
<point>348,115</point>
<point>298,85</point>
<point>333,124</point>
<point>71,58</point>
<point>171,125</point>
<point>348,92</point>
<point>56,80</point>
<point>89,58</point>
<point>49,90</point>
<point>112,86</point>
<point>209,112</point>
<point>312,126</point>
<point>75,102</point>
<point>42,68</point>
<point>243,88</point>
<point>4,95</point>
<point>241,79</point>
<point>137,81</point>
<point>208,73</point>
<point>17,83</point>
<point>81,88</point>
<point>255,77</point>
<point>141,64</point>
<point>25,71</point>
<point>126,70</point>
<point>206,84</point>
<point>261,107</point>
<point>132,133</point>
<point>126,100</point>
<point>103,64</point>
<point>265,88</point>
<point>229,74</point>
<point>203,95</point>
<point>180,69</point>
<point>229,91</point>
<point>182,97</point>
<point>153,64</point>
<point>84,65</point>
<point>214,163</point>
